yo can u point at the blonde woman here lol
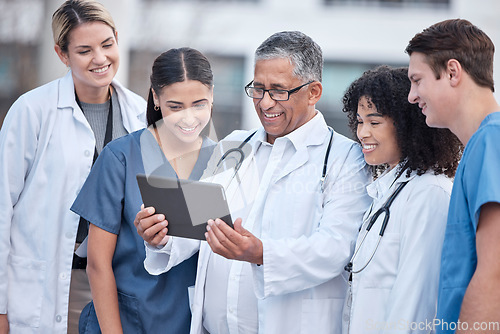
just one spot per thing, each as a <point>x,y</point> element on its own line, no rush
<point>48,142</point>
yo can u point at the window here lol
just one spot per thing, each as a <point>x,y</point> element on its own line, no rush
<point>228,93</point>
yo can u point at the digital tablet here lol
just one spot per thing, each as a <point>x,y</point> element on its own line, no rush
<point>186,204</point>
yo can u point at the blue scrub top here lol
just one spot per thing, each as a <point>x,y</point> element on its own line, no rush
<point>110,199</point>
<point>476,183</point>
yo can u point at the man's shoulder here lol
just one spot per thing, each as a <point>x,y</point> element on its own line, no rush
<point>484,142</point>
<point>341,145</point>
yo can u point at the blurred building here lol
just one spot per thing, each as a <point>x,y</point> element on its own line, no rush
<point>355,35</point>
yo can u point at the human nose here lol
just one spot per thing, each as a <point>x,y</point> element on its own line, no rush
<point>363,131</point>
<point>99,56</point>
<point>188,116</point>
<point>412,95</point>
<point>266,102</point>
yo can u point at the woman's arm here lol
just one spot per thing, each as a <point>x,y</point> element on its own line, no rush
<point>101,247</point>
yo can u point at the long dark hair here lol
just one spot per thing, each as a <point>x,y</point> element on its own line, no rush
<point>172,66</point>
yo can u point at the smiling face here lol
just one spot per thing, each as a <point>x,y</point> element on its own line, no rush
<point>279,118</point>
<point>186,109</point>
<point>93,58</point>
<point>377,135</point>
<point>434,96</point>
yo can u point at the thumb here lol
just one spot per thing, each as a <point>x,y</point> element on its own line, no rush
<point>238,227</point>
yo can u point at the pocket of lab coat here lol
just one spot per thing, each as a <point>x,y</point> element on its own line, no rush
<point>26,283</point>
<point>383,268</point>
<point>322,316</point>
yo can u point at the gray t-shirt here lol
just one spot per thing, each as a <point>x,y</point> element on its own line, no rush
<point>97,116</point>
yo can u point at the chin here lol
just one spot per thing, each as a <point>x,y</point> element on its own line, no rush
<point>433,124</point>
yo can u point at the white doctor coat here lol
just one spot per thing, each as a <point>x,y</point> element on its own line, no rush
<point>308,235</point>
<point>397,291</point>
<point>46,152</point>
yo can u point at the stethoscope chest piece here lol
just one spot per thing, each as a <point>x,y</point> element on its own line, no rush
<point>387,214</point>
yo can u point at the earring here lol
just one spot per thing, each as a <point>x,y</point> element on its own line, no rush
<point>156,108</point>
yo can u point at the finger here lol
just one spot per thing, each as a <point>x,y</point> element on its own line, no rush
<point>232,235</point>
<point>146,223</point>
<point>144,213</point>
<point>213,242</point>
<point>160,238</point>
<point>216,232</point>
<point>152,232</point>
<point>238,227</point>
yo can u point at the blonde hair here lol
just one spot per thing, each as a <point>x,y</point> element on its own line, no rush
<point>72,13</point>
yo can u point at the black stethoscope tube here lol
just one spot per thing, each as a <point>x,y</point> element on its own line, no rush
<point>373,219</point>
<point>239,150</point>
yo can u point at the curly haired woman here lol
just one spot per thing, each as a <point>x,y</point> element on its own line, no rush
<point>394,277</point>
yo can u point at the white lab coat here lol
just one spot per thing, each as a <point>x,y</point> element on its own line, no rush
<point>308,236</point>
<point>46,152</point>
<point>397,291</point>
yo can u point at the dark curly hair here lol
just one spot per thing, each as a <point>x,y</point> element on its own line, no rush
<point>422,147</point>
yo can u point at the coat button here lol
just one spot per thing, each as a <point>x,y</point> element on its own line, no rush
<point>58,318</point>
<point>87,153</point>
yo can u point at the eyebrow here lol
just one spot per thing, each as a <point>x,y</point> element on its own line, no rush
<point>273,86</point>
<point>88,46</point>
<point>376,114</point>
<point>194,102</point>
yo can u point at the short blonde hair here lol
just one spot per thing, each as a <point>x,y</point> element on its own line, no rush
<point>72,13</point>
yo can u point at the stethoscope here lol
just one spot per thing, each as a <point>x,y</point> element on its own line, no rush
<point>239,150</point>
<point>384,209</point>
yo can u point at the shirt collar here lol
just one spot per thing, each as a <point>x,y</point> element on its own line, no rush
<point>300,137</point>
<point>387,182</point>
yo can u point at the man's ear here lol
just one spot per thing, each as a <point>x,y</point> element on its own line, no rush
<point>62,55</point>
<point>454,72</point>
<point>315,91</point>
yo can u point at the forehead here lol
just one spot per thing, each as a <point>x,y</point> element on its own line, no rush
<point>88,32</point>
<point>418,64</point>
<point>188,90</point>
<point>277,71</point>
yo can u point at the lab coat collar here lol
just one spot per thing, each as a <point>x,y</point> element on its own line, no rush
<point>300,137</point>
<point>67,100</point>
<point>386,182</point>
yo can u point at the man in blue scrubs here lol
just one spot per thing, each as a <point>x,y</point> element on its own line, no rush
<point>451,74</point>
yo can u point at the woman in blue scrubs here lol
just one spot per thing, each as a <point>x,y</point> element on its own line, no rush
<point>126,297</point>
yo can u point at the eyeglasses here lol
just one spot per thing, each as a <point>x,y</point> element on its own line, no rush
<point>275,94</point>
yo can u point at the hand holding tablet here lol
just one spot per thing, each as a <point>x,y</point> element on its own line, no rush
<point>187,205</point>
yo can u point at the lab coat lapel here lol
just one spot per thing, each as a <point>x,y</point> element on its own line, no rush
<point>67,100</point>
<point>300,139</point>
<point>132,112</point>
<point>240,176</point>
<point>300,157</point>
